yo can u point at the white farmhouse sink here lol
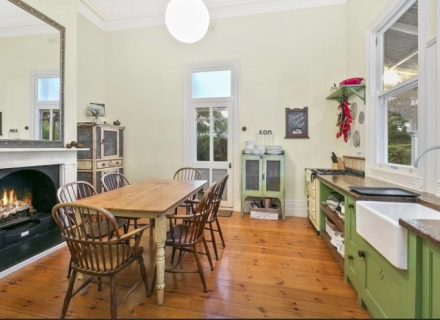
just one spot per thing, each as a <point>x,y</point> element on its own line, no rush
<point>378,223</point>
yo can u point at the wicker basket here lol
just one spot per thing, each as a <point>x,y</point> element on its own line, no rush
<point>265,213</point>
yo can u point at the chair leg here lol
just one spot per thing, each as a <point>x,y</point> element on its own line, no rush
<point>173,254</point>
<point>220,232</point>
<point>144,275</point>
<point>68,296</point>
<point>214,244</point>
<point>69,272</point>
<point>208,253</point>
<point>99,284</point>
<point>151,227</point>
<point>113,305</point>
<point>135,223</point>
<point>199,265</point>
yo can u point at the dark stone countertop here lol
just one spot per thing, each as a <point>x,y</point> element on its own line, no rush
<point>426,229</point>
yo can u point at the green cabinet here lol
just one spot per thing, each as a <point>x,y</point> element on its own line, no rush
<point>386,291</point>
<point>263,176</point>
<point>352,241</point>
<point>430,280</point>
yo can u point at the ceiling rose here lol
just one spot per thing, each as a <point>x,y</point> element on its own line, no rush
<point>187,20</point>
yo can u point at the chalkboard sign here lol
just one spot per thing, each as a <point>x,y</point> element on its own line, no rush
<point>297,123</point>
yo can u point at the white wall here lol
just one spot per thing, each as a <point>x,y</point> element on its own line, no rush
<point>288,59</point>
<point>20,56</point>
<point>360,13</point>
<point>91,65</point>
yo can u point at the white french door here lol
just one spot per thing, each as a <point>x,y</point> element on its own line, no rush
<point>211,143</point>
<point>210,131</point>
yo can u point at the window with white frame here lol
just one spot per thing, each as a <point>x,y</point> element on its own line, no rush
<point>46,106</point>
<point>397,69</point>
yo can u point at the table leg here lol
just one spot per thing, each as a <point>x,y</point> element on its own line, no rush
<point>160,233</point>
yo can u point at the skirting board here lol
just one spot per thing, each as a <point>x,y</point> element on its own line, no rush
<point>296,208</point>
<point>31,260</point>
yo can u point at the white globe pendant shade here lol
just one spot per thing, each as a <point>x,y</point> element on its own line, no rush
<point>187,20</point>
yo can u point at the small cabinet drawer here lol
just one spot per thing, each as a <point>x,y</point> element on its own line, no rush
<point>109,164</point>
<point>85,165</point>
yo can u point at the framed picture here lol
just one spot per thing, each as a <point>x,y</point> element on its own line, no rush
<point>297,123</point>
<point>96,110</point>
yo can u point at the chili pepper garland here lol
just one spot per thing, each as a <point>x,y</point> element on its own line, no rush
<point>344,119</point>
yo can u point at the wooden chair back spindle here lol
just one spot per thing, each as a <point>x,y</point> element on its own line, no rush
<point>74,191</point>
<point>187,174</point>
<point>113,180</point>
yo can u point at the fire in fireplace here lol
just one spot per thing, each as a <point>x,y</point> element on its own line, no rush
<point>13,206</point>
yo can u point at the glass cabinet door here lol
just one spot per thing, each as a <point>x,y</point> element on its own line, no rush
<point>273,176</point>
<point>110,143</point>
<point>252,175</point>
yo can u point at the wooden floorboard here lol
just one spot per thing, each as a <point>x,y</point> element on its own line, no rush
<point>269,269</point>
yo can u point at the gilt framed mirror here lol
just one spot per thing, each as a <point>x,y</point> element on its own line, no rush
<point>32,64</point>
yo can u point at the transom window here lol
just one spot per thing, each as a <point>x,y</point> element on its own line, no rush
<point>212,84</point>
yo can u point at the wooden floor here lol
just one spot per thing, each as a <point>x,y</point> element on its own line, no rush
<point>269,269</point>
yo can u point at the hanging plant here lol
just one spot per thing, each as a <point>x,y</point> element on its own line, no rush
<point>344,119</point>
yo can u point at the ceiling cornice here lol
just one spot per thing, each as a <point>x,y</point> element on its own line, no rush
<point>154,15</point>
<point>24,27</point>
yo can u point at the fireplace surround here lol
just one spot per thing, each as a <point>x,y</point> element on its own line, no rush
<point>38,173</point>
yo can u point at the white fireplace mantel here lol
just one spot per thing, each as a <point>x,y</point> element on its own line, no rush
<point>27,157</point>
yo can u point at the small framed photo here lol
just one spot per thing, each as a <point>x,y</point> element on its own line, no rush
<point>297,123</point>
<point>96,110</point>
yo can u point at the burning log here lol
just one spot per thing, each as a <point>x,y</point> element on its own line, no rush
<point>9,204</point>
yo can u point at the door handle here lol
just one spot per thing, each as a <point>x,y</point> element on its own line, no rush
<point>230,166</point>
<point>350,257</point>
<point>361,254</point>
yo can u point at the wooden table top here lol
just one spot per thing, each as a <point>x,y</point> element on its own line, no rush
<point>152,196</point>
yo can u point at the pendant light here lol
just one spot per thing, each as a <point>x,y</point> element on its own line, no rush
<point>187,20</point>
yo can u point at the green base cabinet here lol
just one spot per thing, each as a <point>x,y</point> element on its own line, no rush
<point>387,292</point>
<point>263,176</point>
<point>430,281</point>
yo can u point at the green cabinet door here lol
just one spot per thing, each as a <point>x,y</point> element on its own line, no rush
<point>430,281</point>
<point>252,184</point>
<point>352,239</point>
<point>273,176</point>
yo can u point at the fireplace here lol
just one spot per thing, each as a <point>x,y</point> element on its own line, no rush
<point>27,196</point>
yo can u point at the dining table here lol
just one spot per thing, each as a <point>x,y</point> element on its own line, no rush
<point>153,199</point>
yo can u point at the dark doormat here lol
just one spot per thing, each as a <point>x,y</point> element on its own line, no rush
<point>225,213</point>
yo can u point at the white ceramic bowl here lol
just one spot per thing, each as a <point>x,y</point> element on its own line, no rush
<point>275,148</point>
<point>256,152</point>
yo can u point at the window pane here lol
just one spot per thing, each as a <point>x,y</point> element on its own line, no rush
<point>203,134</point>
<point>401,49</point>
<point>273,176</point>
<point>45,124</point>
<point>48,89</point>
<point>252,175</point>
<point>220,134</point>
<point>217,175</point>
<point>205,176</point>
<point>56,125</point>
<point>212,84</point>
<point>402,110</point>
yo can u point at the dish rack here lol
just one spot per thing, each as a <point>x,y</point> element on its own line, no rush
<point>266,140</point>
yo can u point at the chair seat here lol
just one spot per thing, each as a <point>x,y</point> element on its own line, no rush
<point>180,233</point>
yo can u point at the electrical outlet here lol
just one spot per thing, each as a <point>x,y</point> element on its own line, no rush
<point>52,40</point>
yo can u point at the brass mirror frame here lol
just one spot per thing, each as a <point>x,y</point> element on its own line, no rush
<point>62,30</point>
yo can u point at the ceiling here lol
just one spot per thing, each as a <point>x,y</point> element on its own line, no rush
<point>14,21</point>
<point>125,14</point>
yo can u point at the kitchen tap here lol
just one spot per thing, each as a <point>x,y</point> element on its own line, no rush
<point>416,162</point>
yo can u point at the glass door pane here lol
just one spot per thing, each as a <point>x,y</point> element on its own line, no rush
<point>252,175</point>
<point>220,134</point>
<point>45,124</point>
<point>110,143</point>
<point>203,132</point>
<point>273,176</point>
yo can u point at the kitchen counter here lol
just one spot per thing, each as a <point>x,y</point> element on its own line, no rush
<point>426,229</point>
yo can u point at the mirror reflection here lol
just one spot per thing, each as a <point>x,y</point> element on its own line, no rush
<point>30,59</point>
